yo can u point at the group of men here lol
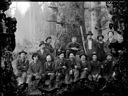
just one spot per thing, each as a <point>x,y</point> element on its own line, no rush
<point>72,62</point>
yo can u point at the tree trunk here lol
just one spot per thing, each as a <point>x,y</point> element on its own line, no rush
<point>83,19</point>
<point>98,11</point>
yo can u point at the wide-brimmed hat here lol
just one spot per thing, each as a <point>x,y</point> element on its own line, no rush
<point>61,52</point>
<point>41,43</point>
<point>34,55</point>
<point>48,38</point>
<point>83,54</point>
<point>22,52</point>
<point>89,33</point>
<point>100,36</point>
<point>71,52</point>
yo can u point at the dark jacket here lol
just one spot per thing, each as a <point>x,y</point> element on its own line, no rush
<point>35,68</point>
<point>109,45</point>
<point>71,45</point>
<point>85,65</point>
<point>22,65</point>
<point>108,67</point>
<point>49,67</point>
<point>59,64</point>
<point>42,57</point>
<point>72,63</point>
<point>49,47</point>
<point>101,51</point>
<point>95,67</point>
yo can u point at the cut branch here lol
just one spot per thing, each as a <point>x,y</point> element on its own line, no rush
<point>61,23</point>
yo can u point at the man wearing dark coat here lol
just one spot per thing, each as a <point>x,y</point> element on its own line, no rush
<point>85,66</point>
<point>48,44</point>
<point>60,67</point>
<point>95,67</point>
<point>73,46</point>
<point>49,69</point>
<point>43,52</point>
<point>90,45</point>
<point>73,67</point>
<point>22,65</point>
<point>100,51</point>
<point>60,63</point>
<point>108,66</point>
<point>118,47</point>
<point>35,68</point>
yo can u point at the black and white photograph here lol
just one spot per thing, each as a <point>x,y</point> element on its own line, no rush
<point>69,48</point>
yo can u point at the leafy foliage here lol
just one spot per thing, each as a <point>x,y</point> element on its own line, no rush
<point>70,14</point>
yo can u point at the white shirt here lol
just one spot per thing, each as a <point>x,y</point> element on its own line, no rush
<point>110,39</point>
<point>89,44</point>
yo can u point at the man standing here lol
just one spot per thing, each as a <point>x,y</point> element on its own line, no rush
<point>110,43</point>
<point>108,66</point>
<point>101,52</point>
<point>48,44</point>
<point>22,65</point>
<point>90,45</point>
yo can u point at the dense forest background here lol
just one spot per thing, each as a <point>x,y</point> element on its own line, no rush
<point>61,20</point>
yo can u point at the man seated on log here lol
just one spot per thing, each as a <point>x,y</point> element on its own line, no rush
<point>73,46</point>
<point>108,66</point>
<point>60,67</point>
<point>95,68</point>
<point>73,67</point>
<point>43,52</point>
<point>35,69</point>
<point>48,44</point>
<point>85,66</point>
<point>22,65</point>
<point>49,70</point>
<point>118,46</point>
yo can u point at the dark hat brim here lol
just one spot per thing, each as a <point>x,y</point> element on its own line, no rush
<point>48,38</point>
<point>42,43</point>
<point>100,36</point>
<point>89,33</point>
<point>35,54</point>
<point>71,51</point>
<point>22,52</point>
<point>60,52</point>
<point>83,54</point>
